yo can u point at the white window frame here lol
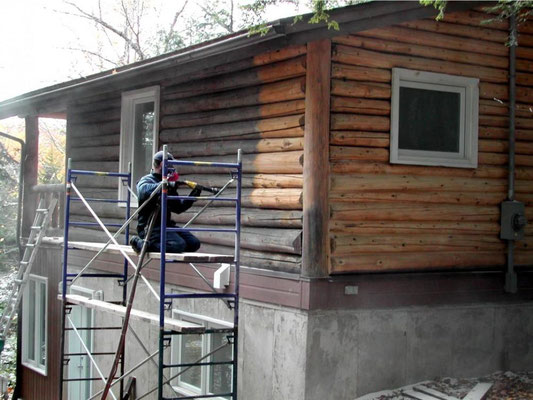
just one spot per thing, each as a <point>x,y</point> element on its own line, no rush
<point>26,361</point>
<point>127,125</point>
<point>183,387</point>
<point>468,88</point>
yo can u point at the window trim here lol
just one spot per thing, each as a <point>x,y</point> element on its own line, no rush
<point>33,364</point>
<point>128,102</point>
<point>467,157</point>
<point>183,387</point>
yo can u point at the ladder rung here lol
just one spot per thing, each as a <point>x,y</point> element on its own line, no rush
<point>24,263</point>
<point>30,245</point>
<point>36,227</point>
<point>43,210</point>
<point>18,281</point>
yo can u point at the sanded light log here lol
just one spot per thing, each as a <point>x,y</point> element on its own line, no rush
<point>495,91</point>
<point>433,39</point>
<point>474,32</point>
<point>360,89</point>
<point>421,197</point>
<point>501,159</point>
<point>493,107</point>
<point>360,105</point>
<point>362,182</point>
<point>262,259</point>
<point>360,122</point>
<point>417,261</point>
<point>413,227</point>
<point>501,146</point>
<point>280,199</point>
<point>358,153</point>
<point>315,254</point>
<point>359,139</point>
<point>291,89</point>
<point>397,47</point>
<point>250,217</point>
<point>413,212</point>
<point>287,126</point>
<point>250,180</point>
<point>357,56</point>
<point>359,73</point>
<point>267,73</point>
<point>499,121</point>
<point>262,239</point>
<point>483,171</point>
<point>233,115</point>
<point>487,132</point>
<point>225,147</point>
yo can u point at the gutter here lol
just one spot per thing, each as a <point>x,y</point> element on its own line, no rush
<point>21,179</point>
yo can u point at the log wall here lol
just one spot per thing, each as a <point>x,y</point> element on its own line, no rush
<point>256,105</point>
<point>388,217</point>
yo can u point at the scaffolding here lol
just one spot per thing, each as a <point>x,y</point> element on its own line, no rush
<point>169,326</point>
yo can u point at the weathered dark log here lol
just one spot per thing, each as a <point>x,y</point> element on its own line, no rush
<point>233,115</point>
<point>224,147</point>
<point>108,114</point>
<point>255,76</point>
<point>90,141</point>
<point>288,126</point>
<point>487,34</point>
<point>98,152</point>
<point>359,73</point>
<point>291,89</point>
<point>93,129</point>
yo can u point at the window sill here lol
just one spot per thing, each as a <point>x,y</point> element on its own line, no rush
<point>40,370</point>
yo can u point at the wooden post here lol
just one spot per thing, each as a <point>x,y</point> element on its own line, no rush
<point>31,166</point>
<point>315,251</point>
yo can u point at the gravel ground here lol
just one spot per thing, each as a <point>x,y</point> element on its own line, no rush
<point>506,386</point>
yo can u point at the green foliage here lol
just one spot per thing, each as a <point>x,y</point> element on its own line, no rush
<point>439,5</point>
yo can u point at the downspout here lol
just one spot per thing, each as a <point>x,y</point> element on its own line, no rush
<point>21,178</point>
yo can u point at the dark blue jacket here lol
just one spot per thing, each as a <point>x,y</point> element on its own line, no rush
<point>146,185</point>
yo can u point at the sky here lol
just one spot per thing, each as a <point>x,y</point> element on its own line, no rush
<point>35,42</point>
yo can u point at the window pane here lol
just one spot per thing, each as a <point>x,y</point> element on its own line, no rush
<point>191,351</point>
<point>143,140</point>
<point>429,120</point>
<point>31,319</point>
<point>220,376</point>
<point>42,324</point>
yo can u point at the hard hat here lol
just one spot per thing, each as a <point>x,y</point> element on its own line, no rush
<point>158,157</point>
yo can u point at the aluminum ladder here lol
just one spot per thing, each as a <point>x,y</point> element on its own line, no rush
<point>37,231</point>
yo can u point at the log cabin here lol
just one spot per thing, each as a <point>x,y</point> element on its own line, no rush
<point>384,165</point>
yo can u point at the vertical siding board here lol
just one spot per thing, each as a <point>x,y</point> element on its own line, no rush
<point>369,196</point>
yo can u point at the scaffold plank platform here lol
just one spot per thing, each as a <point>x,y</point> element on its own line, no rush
<point>170,257</point>
<point>99,305</point>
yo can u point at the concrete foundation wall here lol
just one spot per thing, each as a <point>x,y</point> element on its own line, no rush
<point>297,355</point>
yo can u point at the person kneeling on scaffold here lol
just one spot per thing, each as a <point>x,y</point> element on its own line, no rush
<point>176,242</point>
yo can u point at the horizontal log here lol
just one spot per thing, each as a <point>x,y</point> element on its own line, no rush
<point>501,159</point>
<point>90,141</point>
<point>416,261</point>
<point>232,67</point>
<point>416,228</point>
<point>97,102</point>
<point>263,74</point>
<point>395,46</point>
<point>291,89</point>
<point>250,180</point>
<point>359,73</point>
<point>360,122</point>
<point>421,197</point>
<point>362,182</point>
<point>91,235</point>
<point>445,41</point>
<point>356,56</point>
<point>360,139</point>
<point>361,244</point>
<point>83,130</point>
<point>493,107</point>
<point>499,121</point>
<point>501,92</point>
<point>487,132</point>
<point>224,147</point>
<point>476,32</point>
<point>234,115</point>
<point>98,115</point>
<point>360,106</point>
<point>482,171</point>
<point>501,146</point>
<point>337,153</point>
<point>249,217</point>
<point>477,18</point>
<point>95,153</point>
<point>287,241</point>
<point>288,126</point>
<point>261,259</point>
<point>360,89</point>
<point>411,212</point>
<point>524,65</point>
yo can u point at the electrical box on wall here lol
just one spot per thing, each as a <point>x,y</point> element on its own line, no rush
<point>513,220</point>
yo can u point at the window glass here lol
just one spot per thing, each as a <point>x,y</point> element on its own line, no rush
<point>42,323</point>
<point>191,350</point>
<point>31,317</point>
<point>34,315</point>
<point>429,120</point>
<point>220,375</point>
<point>143,140</point>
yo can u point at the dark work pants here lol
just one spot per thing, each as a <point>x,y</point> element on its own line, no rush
<point>177,242</point>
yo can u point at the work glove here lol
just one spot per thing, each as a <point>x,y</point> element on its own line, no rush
<point>197,191</point>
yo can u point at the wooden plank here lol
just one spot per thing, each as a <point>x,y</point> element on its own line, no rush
<point>315,252</point>
<point>178,257</point>
<point>434,393</point>
<point>417,395</point>
<point>479,392</point>
<point>98,305</point>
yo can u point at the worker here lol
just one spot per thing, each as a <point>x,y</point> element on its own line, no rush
<point>176,242</point>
